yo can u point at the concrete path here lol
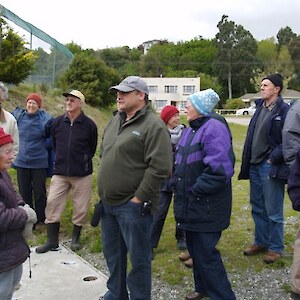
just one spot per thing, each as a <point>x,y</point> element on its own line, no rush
<point>60,275</point>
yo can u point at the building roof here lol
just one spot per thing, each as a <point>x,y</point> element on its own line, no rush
<point>286,94</point>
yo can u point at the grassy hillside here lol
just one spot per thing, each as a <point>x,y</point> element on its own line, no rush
<point>166,264</point>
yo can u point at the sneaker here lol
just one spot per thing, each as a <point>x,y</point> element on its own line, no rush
<point>271,257</point>
<point>184,255</point>
<point>189,263</point>
<point>194,296</point>
<point>254,250</point>
<point>295,296</point>
<point>181,244</point>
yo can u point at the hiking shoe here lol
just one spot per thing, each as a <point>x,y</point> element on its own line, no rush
<point>194,296</point>
<point>254,250</point>
<point>184,255</point>
<point>271,257</point>
<point>189,263</point>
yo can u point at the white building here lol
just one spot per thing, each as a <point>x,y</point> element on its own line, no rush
<point>171,91</point>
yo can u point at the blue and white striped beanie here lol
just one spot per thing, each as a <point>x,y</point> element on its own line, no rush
<point>204,101</point>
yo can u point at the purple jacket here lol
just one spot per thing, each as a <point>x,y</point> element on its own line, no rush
<point>204,165</point>
<point>13,248</point>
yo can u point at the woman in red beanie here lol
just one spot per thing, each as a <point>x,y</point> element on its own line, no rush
<point>13,247</point>
<point>32,161</point>
<point>170,116</point>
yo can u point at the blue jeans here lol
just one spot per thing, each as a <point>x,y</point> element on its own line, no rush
<point>123,230</point>
<point>8,282</point>
<point>266,199</point>
<point>210,276</point>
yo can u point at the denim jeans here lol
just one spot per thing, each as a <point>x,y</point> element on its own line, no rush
<point>159,220</point>
<point>210,276</point>
<point>266,199</point>
<point>124,230</point>
<point>8,282</point>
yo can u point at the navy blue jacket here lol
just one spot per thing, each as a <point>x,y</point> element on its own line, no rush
<point>274,136</point>
<point>74,145</point>
<point>204,165</point>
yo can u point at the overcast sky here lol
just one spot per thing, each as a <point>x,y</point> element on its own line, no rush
<point>102,24</point>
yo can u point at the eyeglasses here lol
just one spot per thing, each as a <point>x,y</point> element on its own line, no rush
<point>70,100</point>
<point>7,151</point>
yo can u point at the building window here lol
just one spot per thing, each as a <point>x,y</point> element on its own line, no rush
<point>153,88</point>
<point>182,105</point>
<point>188,89</point>
<point>169,89</point>
<point>159,104</point>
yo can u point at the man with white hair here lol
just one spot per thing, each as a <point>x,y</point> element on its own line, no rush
<point>74,137</point>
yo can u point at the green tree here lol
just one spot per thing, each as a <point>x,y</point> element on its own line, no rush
<point>285,36</point>
<point>16,62</point>
<point>92,76</point>
<point>294,50</point>
<point>235,61</point>
<point>267,56</point>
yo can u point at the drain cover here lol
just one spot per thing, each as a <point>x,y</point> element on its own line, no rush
<point>89,278</point>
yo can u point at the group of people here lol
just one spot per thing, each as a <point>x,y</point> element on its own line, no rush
<point>152,160</point>
<point>73,138</point>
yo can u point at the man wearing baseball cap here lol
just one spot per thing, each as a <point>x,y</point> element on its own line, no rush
<point>136,157</point>
<point>75,139</point>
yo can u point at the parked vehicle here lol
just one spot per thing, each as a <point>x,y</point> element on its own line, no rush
<point>246,111</point>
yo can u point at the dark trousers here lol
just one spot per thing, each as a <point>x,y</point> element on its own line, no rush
<point>159,219</point>
<point>210,276</point>
<point>32,188</point>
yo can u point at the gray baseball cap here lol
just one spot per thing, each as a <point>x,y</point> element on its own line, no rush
<point>131,83</point>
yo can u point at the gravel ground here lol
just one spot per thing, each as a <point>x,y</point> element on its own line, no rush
<point>266,285</point>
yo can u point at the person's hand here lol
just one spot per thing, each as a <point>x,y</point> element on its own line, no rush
<point>136,200</point>
<point>31,220</point>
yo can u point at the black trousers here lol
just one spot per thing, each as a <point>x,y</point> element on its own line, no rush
<point>159,220</point>
<point>32,188</point>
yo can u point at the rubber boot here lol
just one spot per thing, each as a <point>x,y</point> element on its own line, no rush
<point>75,245</point>
<point>52,241</point>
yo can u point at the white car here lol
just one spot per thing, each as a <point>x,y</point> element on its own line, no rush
<point>246,111</point>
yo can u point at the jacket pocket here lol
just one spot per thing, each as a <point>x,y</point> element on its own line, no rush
<point>198,209</point>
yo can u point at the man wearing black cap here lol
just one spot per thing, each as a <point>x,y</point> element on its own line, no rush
<point>136,157</point>
<point>263,164</point>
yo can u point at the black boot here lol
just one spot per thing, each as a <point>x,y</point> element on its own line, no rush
<point>75,245</point>
<point>52,241</point>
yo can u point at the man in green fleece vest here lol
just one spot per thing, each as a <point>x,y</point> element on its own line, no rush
<point>136,157</point>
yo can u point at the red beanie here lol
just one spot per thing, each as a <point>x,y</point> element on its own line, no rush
<point>36,97</point>
<point>4,137</point>
<point>168,112</point>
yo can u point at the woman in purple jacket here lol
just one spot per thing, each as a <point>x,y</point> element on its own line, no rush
<point>13,247</point>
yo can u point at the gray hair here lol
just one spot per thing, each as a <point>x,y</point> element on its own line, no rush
<point>4,89</point>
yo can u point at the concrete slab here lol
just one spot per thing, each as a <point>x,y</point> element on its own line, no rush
<point>60,275</point>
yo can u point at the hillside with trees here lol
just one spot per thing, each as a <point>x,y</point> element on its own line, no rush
<point>232,63</point>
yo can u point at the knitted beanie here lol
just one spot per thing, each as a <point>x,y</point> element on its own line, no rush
<point>4,137</point>
<point>36,97</point>
<point>168,112</point>
<point>204,101</point>
<point>276,79</point>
